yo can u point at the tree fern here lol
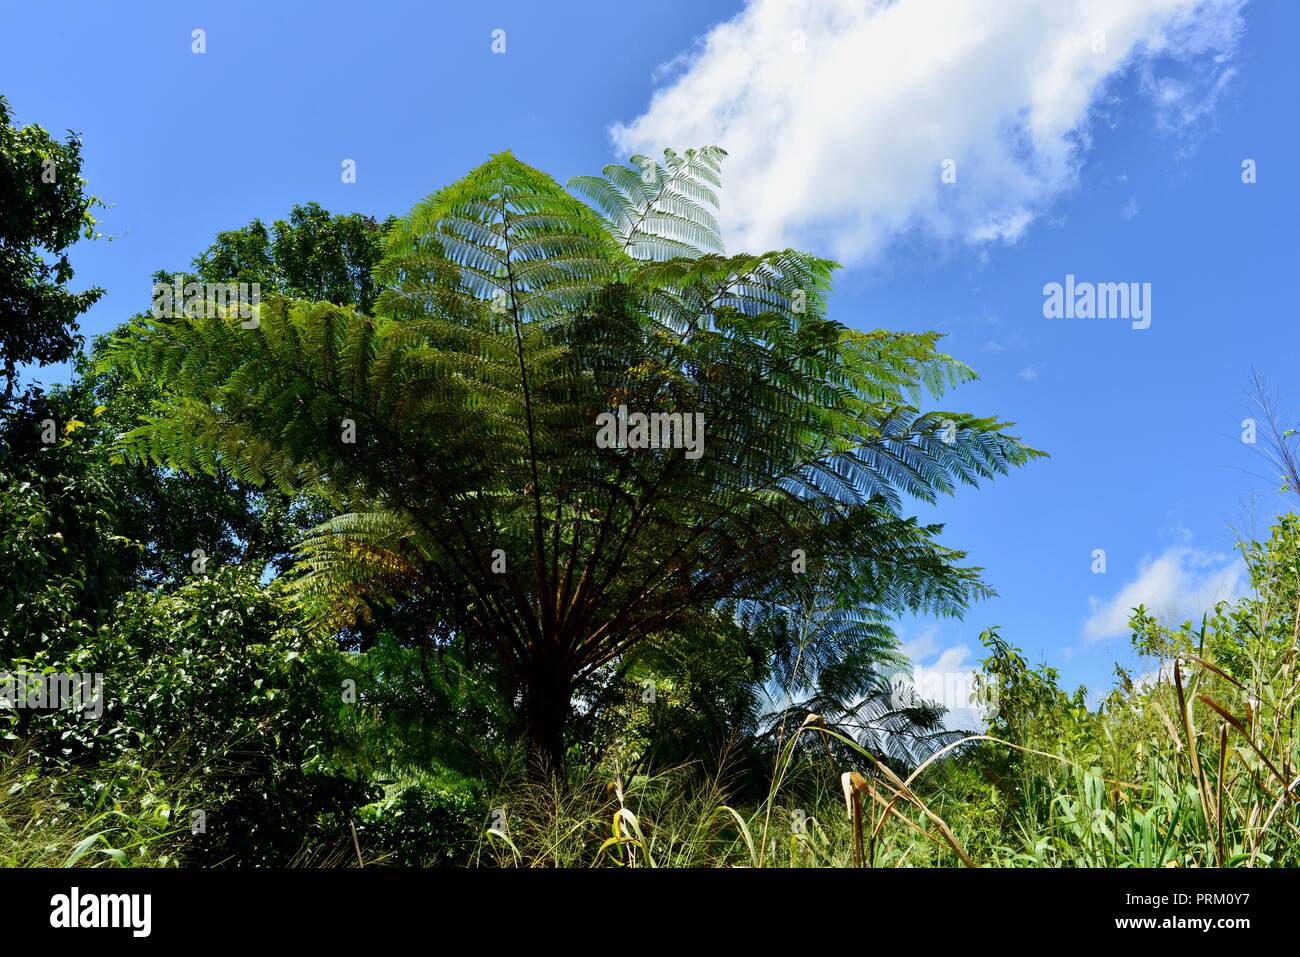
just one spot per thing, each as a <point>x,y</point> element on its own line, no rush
<point>514,315</point>
<point>660,212</point>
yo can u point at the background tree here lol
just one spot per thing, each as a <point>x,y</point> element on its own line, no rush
<point>312,254</point>
<point>44,209</point>
<point>65,563</point>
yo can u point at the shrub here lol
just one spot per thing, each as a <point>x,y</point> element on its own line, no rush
<point>423,825</point>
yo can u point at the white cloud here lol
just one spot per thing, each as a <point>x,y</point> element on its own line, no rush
<point>1181,583</point>
<point>923,645</point>
<point>951,681</point>
<point>839,148</point>
<point>956,658</point>
<point>944,674</point>
<point>1002,345</point>
<point>1028,374</point>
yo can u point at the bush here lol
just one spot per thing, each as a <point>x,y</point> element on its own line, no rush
<point>423,825</point>
<point>218,677</point>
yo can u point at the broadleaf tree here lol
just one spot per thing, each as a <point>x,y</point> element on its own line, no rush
<point>44,210</point>
<point>311,254</point>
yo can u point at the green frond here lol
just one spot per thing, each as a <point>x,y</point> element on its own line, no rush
<point>660,212</point>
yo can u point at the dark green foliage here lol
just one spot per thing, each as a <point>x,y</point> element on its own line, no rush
<point>65,562</point>
<point>424,825</point>
<point>171,514</point>
<point>312,255</point>
<point>39,220</point>
<point>218,679</point>
<point>123,524</point>
<point>426,706</point>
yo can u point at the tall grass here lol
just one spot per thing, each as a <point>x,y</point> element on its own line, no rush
<point>121,815</point>
<point>1193,766</point>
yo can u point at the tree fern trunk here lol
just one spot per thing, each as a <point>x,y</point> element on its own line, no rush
<point>547,696</point>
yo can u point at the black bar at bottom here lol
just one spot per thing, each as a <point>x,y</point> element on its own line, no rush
<point>294,907</point>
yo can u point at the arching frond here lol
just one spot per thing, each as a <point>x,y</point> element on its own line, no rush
<point>659,212</point>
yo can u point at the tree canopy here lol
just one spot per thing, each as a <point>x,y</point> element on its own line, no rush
<point>44,210</point>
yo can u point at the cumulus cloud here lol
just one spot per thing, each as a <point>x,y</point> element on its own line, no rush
<point>839,116</point>
<point>945,675</point>
<point>1181,583</point>
<point>922,645</point>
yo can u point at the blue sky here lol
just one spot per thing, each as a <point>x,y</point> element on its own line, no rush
<point>1119,164</point>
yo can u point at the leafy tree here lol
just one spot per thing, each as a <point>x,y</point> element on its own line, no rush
<point>217,682</point>
<point>65,562</point>
<point>1028,707</point>
<point>455,431</point>
<point>179,519</point>
<point>312,255</point>
<point>43,211</point>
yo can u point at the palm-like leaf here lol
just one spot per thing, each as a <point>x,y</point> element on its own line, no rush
<point>660,212</point>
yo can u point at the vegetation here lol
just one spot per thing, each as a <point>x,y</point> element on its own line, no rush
<point>452,432</point>
<point>43,211</point>
<point>365,587</point>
